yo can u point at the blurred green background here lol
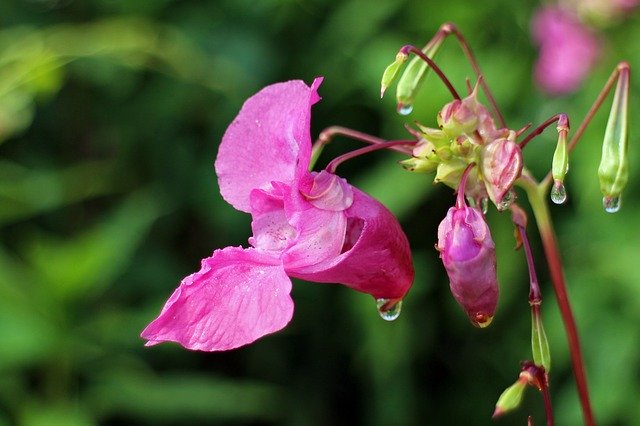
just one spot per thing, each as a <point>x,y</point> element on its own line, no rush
<point>110,116</point>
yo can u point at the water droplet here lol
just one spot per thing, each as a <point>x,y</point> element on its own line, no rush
<point>485,205</point>
<point>481,319</point>
<point>389,309</point>
<point>506,201</point>
<point>405,109</point>
<point>558,193</point>
<point>611,204</point>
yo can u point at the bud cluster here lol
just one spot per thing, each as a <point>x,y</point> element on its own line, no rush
<point>467,134</point>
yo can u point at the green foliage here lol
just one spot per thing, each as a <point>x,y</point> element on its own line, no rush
<point>110,116</point>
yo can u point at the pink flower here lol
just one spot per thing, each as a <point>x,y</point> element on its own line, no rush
<point>568,50</point>
<point>308,225</point>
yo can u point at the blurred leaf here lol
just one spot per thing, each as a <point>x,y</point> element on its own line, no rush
<point>86,263</point>
<point>25,193</point>
<point>184,398</point>
<point>55,415</point>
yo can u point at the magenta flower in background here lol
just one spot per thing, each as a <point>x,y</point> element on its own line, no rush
<point>308,225</point>
<point>568,50</point>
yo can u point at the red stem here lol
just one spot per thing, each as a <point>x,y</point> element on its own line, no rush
<point>412,49</point>
<point>557,278</point>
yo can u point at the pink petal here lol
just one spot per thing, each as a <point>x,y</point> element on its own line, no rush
<point>329,192</point>
<point>237,297</point>
<point>268,141</point>
<point>271,229</point>
<point>375,257</point>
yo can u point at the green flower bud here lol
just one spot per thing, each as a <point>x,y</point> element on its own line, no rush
<point>510,398</point>
<point>539,342</point>
<point>413,76</point>
<point>614,170</point>
<point>391,72</point>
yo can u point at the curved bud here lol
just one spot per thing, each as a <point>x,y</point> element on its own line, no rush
<point>614,169</point>
<point>501,166</point>
<point>469,256</point>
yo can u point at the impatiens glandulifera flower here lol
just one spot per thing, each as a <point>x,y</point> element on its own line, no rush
<point>469,256</point>
<point>568,50</point>
<point>307,225</point>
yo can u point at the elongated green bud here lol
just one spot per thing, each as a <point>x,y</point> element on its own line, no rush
<point>511,397</point>
<point>539,342</point>
<point>413,76</point>
<point>560,163</point>
<point>391,72</point>
<point>614,170</point>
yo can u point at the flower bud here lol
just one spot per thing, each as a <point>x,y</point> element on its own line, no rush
<point>501,166</point>
<point>614,168</point>
<point>458,117</point>
<point>511,398</point>
<point>413,76</point>
<point>468,253</point>
<point>391,72</point>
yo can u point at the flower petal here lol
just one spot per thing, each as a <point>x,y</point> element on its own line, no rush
<point>238,296</point>
<point>268,141</point>
<point>375,257</point>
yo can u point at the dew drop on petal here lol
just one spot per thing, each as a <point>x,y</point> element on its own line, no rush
<point>405,109</point>
<point>389,309</point>
<point>558,193</point>
<point>611,204</point>
<point>507,200</point>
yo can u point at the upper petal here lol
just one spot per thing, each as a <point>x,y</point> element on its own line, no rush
<point>237,296</point>
<point>375,258</point>
<point>268,141</point>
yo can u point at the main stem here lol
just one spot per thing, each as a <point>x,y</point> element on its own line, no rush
<point>537,198</point>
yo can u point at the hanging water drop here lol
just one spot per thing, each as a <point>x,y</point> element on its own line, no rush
<point>611,204</point>
<point>389,309</point>
<point>506,201</point>
<point>558,192</point>
<point>405,109</point>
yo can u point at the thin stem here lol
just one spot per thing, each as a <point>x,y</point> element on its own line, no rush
<point>460,202</point>
<point>563,122</point>
<point>412,49</point>
<point>333,165</point>
<point>329,133</point>
<point>537,198</point>
<point>623,67</point>
<point>450,28</point>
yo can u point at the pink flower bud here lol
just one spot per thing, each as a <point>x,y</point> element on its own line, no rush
<point>458,117</point>
<point>469,256</point>
<point>501,166</point>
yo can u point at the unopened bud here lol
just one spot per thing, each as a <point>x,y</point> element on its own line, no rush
<point>391,72</point>
<point>511,398</point>
<point>539,342</point>
<point>469,256</point>
<point>614,170</point>
<point>501,166</point>
<point>458,117</point>
<point>413,76</point>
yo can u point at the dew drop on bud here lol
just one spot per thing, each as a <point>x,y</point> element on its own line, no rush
<point>404,109</point>
<point>507,200</point>
<point>389,309</point>
<point>558,192</point>
<point>481,319</point>
<point>611,204</point>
